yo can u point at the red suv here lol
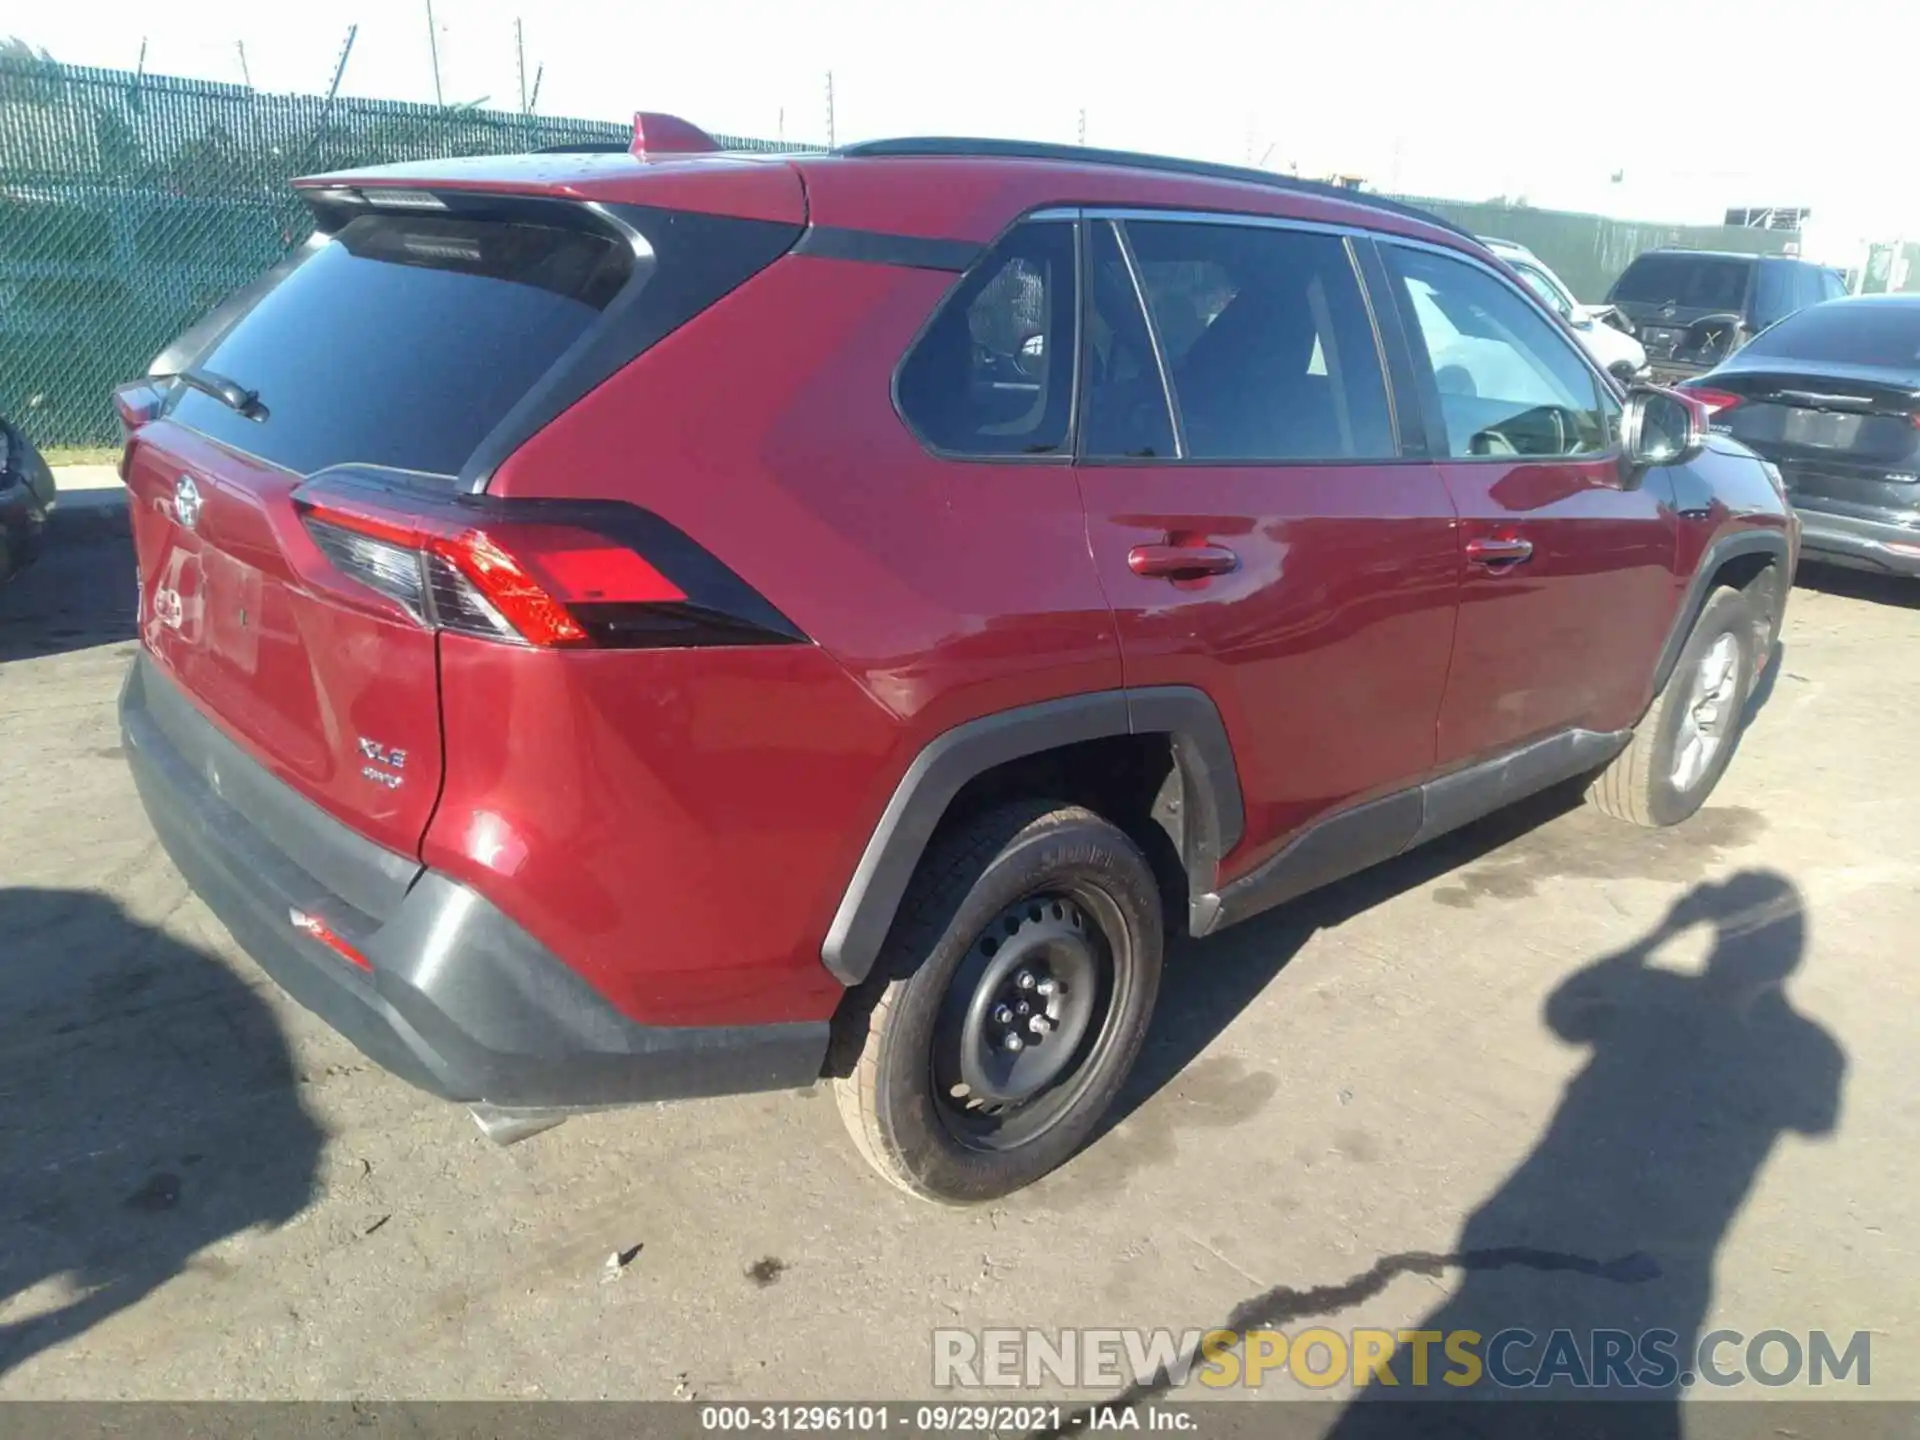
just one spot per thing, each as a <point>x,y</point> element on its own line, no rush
<point>627,626</point>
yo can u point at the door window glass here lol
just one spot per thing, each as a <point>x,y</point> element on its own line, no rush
<point>1509,383</point>
<point>1268,343</point>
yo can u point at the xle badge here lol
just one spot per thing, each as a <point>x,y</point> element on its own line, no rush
<point>380,756</point>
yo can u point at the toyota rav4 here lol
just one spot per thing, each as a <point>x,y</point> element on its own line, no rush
<point>617,627</point>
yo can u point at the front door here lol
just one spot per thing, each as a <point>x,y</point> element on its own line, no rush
<point>1256,529</point>
<point>1566,558</point>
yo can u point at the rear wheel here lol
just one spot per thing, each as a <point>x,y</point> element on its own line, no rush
<point>1017,985</point>
<point>1683,744</point>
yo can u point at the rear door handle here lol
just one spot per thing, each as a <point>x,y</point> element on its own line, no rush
<point>1498,554</point>
<point>1181,562</point>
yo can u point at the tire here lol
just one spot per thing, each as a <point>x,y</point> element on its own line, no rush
<point>1042,890</point>
<point>1659,779</point>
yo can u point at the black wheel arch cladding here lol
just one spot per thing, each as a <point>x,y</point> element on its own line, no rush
<point>1208,808</point>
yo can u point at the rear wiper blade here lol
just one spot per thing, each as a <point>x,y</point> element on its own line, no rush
<point>230,393</point>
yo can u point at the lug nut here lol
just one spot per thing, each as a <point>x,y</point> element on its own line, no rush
<point>1047,986</point>
<point>1023,1007</point>
<point>1038,1024</point>
<point>1014,1044</point>
<point>1024,980</point>
<point>1002,1015</point>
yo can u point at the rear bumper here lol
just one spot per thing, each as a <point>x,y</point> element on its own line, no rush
<point>1881,545</point>
<point>456,998</point>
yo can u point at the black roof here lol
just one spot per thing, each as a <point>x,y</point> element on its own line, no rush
<point>935,146</point>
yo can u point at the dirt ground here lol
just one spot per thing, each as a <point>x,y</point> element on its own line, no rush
<point>1552,1065</point>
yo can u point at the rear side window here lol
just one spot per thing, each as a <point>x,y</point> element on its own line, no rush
<point>1693,282</point>
<point>406,339</point>
<point>1852,332</point>
<point>1776,295</point>
<point>1268,343</point>
<point>992,374</point>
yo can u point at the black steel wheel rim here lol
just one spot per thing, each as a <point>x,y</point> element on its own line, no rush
<point>1028,1015</point>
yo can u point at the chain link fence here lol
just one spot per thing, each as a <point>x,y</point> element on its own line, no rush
<point>129,204</point>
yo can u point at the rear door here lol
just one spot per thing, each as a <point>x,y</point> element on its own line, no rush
<point>1256,527</point>
<point>399,344</point>
<point>1567,583</point>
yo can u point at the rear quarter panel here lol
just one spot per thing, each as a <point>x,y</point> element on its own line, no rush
<point>698,814</point>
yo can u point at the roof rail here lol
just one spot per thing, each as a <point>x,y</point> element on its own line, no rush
<point>959,147</point>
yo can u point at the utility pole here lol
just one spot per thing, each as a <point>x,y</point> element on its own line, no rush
<point>533,102</point>
<point>1083,126</point>
<point>780,128</point>
<point>520,60</point>
<point>830,142</point>
<point>433,52</point>
<point>245,78</point>
<point>339,69</point>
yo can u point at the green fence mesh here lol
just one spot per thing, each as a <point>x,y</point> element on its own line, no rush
<point>130,204</point>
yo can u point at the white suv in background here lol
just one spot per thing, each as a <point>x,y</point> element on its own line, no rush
<point>1618,352</point>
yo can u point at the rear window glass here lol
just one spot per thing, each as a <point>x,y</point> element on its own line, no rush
<point>1694,282</point>
<point>1847,333</point>
<point>405,340</point>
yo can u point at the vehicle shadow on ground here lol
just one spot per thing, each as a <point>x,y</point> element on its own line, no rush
<point>80,593</point>
<point>1858,584</point>
<point>1613,1221</point>
<point>148,1109</point>
<point>1209,982</point>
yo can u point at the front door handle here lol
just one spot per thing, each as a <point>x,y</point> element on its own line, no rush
<point>1498,553</point>
<point>1181,562</point>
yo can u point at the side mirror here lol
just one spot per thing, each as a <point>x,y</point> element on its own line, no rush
<point>1661,427</point>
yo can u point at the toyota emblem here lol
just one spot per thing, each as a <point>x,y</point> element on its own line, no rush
<point>186,501</point>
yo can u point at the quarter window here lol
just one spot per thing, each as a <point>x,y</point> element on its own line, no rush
<point>1267,341</point>
<point>993,373</point>
<point>1508,382</point>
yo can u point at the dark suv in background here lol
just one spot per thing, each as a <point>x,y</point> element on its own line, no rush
<point>624,627</point>
<point>1691,309</point>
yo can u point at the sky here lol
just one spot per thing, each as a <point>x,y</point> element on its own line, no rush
<point>1648,109</point>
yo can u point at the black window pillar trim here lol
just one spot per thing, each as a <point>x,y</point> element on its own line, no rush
<point>1213,822</point>
<point>627,329</point>
<point>1160,365</point>
<point>1406,400</point>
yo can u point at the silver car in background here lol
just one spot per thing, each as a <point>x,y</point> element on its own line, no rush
<point>1619,353</point>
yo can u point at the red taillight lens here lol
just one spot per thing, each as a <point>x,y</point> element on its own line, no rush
<point>544,573</point>
<point>1715,401</point>
<point>505,582</point>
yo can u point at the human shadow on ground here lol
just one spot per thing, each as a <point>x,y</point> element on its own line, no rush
<point>148,1109</point>
<point>1609,1229</point>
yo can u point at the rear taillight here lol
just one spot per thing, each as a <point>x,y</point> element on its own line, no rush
<point>553,574</point>
<point>1715,402</point>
